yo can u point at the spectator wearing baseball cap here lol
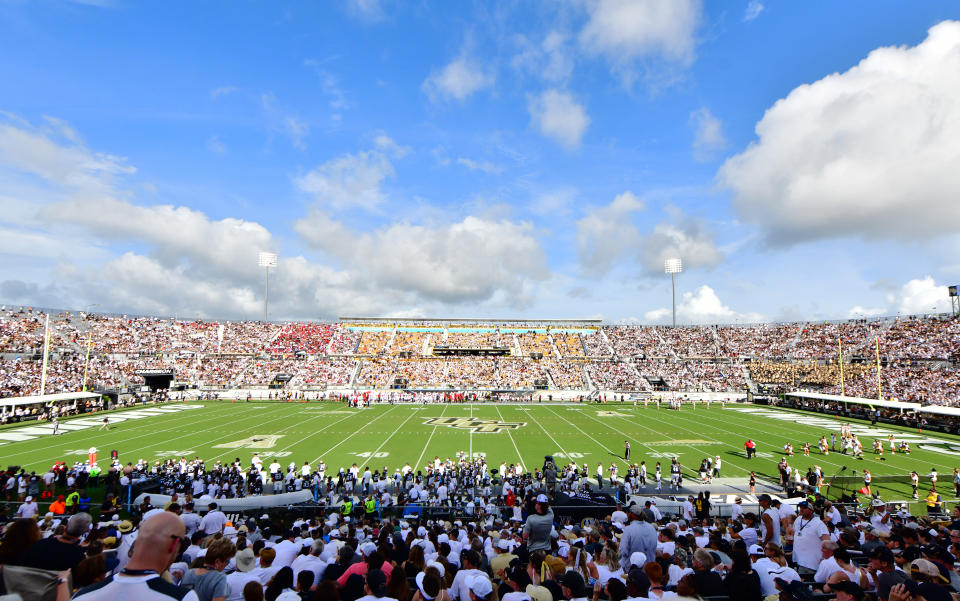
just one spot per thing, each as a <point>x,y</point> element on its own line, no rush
<point>536,530</point>
<point>638,535</point>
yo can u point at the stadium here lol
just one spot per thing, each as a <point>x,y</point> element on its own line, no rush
<point>576,300</point>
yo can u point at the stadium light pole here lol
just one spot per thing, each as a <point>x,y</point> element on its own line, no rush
<point>266,260</point>
<point>673,267</point>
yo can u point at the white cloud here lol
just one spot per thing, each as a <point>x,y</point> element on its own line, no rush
<point>485,166</point>
<point>352,180</point>
<point>468,261</point>
<point>753,10</point>
<point>216,145</point>
<point>226,246</point>
<point>366,10</point>
<point>559,116</point>
<point>279,121</point>
<point>871,152</point>
<point>554,202</point>
<point>55,154</point>
<point>708,138</point>
<point>223,91</point>
<point>701,306</point>
<point>386,144</point>
<point>337,99</point>
<point>458,80</point>
<point>607,234</point>
<point>859,312</point>
<point>687,238</point>
<point>920,296</point>
<point>551,59</point>
<point>626,30</point>
<point>297,130</point>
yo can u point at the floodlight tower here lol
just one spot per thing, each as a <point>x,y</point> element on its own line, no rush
<point>673,267</point>
<point>266,260</point>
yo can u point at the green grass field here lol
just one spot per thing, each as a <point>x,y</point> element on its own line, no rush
<point>394,435</point>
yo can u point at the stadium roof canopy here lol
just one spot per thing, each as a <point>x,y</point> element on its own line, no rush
<point>16,401</point>
<point>855,400</point>
<point>938,410</point>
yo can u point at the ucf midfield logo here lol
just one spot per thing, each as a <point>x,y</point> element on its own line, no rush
<point>480,426</point>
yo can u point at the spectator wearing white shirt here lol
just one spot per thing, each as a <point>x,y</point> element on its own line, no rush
<point>312,561</point>
<point>213,522</point>
<point>287,549</point>
<point>246,562</point>
<point>809,534</point>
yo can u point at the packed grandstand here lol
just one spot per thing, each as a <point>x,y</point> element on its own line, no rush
<point>918,355</point>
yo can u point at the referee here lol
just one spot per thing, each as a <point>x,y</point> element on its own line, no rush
<point>157,544</point>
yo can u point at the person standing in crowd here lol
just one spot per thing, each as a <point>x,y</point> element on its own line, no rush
<point>536,530</point>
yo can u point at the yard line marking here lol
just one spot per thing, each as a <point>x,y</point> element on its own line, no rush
<point>624,461</point>
<point>230,434</point>
<point>608,426</point>
<point>420,458</point>
<point>562,450</point>
<point>58,440</point>
<point>295,424</point>
<point>519,456</point>
<point>354,433</point>
<point>374,455</point>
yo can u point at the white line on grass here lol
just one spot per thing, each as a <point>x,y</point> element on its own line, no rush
<point>61,439</point>
<point>318,415</point>
<point>387,439</point>
<point>606,425</point>
<point>134,451</point>
<point>624,461</point>
<point>519,456</point>
<point>354,433</point>
<point>420,458</point>
<point>554,440</point>
<point>233,433</point>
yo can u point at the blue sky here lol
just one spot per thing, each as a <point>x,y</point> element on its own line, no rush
<point>519,159</point>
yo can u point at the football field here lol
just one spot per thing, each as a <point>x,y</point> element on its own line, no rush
<point>394,435</point>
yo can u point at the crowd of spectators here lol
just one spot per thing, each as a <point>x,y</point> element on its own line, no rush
<point>508,541</point>
<point>923,354</point>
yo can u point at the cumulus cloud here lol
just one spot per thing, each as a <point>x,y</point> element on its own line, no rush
<point>686,237</point>
<point>919,296</point>
<point>624,31</point>
<point>607,234</point>
<point>557,115</point>
<point>352,180</point>
<point>702,306</point>
<point>468,261</point>
<point>708,138</point>
<point>458,80</point>
<point>225,246</point>
<point>753,10</point>
<point>870,152</point>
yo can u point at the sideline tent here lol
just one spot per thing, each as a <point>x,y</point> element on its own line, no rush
<point>18,401</point>
<point>836,398</point>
